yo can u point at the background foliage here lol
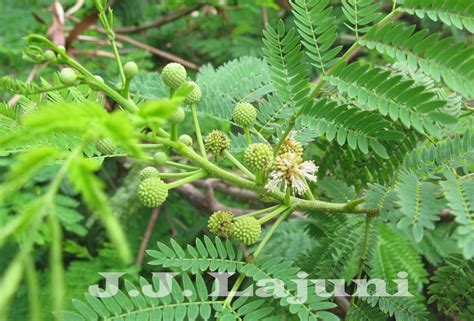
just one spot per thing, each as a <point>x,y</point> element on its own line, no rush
<point>391,122</point>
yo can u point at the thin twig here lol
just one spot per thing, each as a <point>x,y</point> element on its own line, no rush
<point>74,8</point>
<point>98,53</point>
<point>155,213</point>
<point>156,51</point>
<point>160,22</point>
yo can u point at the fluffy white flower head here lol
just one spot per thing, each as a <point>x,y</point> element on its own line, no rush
<point>290,171</point>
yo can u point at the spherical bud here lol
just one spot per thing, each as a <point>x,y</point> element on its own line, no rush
<point>290,145</point>
<point>186,140</point>
<point>149,172</point>
<point>178,116</point>
<point>99,78</point>
<point>152,192</point>
<point>105,146</point>
<point>217,142</point>
<point>195,95</point>
<point>130,69</point>
<point>160,158</point>
<point>247,230</point>
<point>68,76</point>
<point>258,156</point>
<point>174,75</point>
<point>221,223</point>
<point>244,114</point>
<point>62,48</point>
<point>49,56</point>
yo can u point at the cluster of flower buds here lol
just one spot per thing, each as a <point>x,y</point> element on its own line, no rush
<point>246,229</point>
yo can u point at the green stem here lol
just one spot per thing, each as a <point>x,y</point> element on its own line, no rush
<point>273,214</point>
<point>198,131</point>
<point>126,88</point>
<point>239,165</point>
<point>287,200</point>
<point>151,146</point>
<point>174,132</point>
<point>309,193</point>
<point>177,175</point>
<point>259,249</point>
<point>161,132</point>
<point>217,172</point>
<point>365,245</point>
<point>248,139</point>
<point>181,166</point>
<point>271,231</point>
<point>262,211</point>
<point>194,177</point>
<point>287,131</point>
<point>119,64</point>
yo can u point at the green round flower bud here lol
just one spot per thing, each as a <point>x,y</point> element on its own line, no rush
<point>258,156</point>
<point>247,230</point>
<point>62,48</point>
<point>130,69</point>
<point>217,142</point>
<point>290,145</point>
<point>152,192</point>
<point>49,56</point>
<point>195,95</point>
<point>178,116</point>
<point>160,158</point>
<point>244,114</point>
<point>174,75</point>
<point>186,140</point>
<point>68,76</point>
<point>105,146</point>
<point>149,172</point>
<point>221,223</point>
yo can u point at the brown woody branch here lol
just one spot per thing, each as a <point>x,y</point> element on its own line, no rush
<point>158,23</point>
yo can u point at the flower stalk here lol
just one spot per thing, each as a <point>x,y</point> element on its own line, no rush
<point>239,165</point>
<point>191,178</point>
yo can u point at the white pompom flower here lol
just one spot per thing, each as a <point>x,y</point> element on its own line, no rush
<point>290,171</point>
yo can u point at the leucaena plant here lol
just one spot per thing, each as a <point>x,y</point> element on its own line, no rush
<point>372,154</point>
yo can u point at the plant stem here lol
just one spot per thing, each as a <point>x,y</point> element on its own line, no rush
<point>126,88</point>
<point>151,146</point>
<point>174,132</point>
<point>363,255</point>
<point>309,193</point>
<point>198,131</point>
<point>239,165</point>
<point>181,166</point>
<point>287,131</point>
<point>177,175</point>
<point>191,178</point>
<point>287,200</point>
<point>273,214</point>
<point>161,132</point>
<point>248,139</point>
<point>217,172</point>
<point>259,249</point>
<point>262,211</point>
